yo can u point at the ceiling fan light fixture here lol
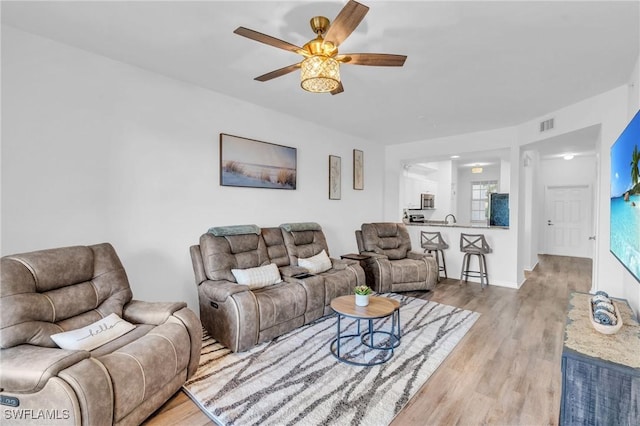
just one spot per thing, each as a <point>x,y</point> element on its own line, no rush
<point>319,74</point>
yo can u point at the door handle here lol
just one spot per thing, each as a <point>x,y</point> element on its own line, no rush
<point>593,237</point>
<point>549,223</point>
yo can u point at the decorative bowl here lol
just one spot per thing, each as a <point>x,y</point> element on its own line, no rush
<point>602,328</point>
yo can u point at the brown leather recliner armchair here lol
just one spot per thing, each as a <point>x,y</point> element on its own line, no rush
<point>391,263</point>
<point>121,382</point>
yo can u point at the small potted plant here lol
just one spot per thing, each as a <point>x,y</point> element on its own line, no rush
<point>362,295</point>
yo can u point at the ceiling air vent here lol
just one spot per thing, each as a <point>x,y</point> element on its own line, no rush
<point>546,125</point>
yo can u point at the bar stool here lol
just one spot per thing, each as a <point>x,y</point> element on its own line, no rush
<point>432,241</point>
<point>474,245</point>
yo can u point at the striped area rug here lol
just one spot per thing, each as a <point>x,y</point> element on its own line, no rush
<point>295,380</point>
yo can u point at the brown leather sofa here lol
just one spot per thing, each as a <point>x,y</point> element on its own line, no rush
<point>121,382</point>
<point>391,263</point>
<point>241,318</point>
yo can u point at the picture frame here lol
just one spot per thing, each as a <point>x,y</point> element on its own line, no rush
<point>335,177</point>
<point>358,169</point>
<point>256,164</point>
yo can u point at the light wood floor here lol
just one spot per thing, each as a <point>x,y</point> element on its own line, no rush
<point>505,371</point>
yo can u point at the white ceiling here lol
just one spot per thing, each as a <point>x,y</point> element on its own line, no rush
<point>471,65</point>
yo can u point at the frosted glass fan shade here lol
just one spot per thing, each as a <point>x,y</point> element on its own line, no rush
<point>319,74</point>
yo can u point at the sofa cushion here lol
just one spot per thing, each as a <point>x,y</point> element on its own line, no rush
<point>316,264</point>
<point>93,335</point>
<point>259,277</point>
<point>280,303</point>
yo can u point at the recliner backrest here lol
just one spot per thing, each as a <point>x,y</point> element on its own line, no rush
<point>275,246</point>
<point>303,240</point>
<point>49,291</point>
<point>223,253</point>
<point>388,238</point>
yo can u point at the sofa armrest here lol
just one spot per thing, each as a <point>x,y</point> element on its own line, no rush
<point>27,368</point>
<point>154,313</point>
<point>289,271</point>
<point>340,264</point>
<point>372,255</point>
<point>415,255</point>
<point>220,290</point>
<point>194,328</point>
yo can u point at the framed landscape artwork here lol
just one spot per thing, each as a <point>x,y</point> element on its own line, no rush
<point>335,172</point>
<point>255,164</point>
<point>358,169</point>
<point>624,236</point>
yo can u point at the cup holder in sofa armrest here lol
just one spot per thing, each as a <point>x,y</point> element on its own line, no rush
<point>290,271</point>
<point>302,275</point>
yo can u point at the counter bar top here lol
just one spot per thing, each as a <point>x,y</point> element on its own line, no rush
<point>455,225</point>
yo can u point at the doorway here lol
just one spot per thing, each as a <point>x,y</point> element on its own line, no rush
<point>569,221</point>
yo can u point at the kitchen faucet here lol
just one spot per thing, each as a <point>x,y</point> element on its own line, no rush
<point>447,217</point>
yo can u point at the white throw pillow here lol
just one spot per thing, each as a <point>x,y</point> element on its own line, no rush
<point>316,264</point>
<point>259,277</point>
<point>97,334</point>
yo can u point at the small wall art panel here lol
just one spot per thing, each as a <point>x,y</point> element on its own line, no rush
<point>256,164</point>
<point>358,169</point>
<point>335,177</point>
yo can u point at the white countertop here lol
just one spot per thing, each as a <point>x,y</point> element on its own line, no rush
<point>455,225</point>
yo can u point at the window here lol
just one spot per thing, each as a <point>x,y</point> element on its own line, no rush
<point>480,199</point>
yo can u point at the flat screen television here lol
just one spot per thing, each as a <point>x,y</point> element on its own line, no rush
<point>625,197</point>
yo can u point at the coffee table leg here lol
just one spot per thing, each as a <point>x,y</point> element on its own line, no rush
<point>371,332</point>
<point>338,334</point>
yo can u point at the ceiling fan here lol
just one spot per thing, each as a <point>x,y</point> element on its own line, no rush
<point>320,68</point>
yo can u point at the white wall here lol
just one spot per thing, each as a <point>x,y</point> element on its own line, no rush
<point>557,171</point>
<point>95,150</point>
<point>531,208</point>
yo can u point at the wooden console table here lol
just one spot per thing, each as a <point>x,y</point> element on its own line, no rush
<point>600,372</point>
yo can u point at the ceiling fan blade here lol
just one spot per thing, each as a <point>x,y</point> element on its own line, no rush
<point>278,73</point>
<point>271,41</point>
<point>373,59</point>
<point>338,89</point>
<point>347,20</point>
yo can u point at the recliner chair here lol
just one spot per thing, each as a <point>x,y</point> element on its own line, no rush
<point>391,263</point>
<point>121,382</point>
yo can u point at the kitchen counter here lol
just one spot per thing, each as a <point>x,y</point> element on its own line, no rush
<point>501,262</point>
<point>439,223</point>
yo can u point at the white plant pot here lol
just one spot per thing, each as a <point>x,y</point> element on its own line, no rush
<point>362,300</point>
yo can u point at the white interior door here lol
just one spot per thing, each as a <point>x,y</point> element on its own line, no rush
<point>568,222</point>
